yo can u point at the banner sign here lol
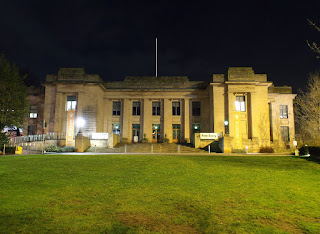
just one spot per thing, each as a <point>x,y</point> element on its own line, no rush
<point>99,136</point>
<point>70,127</point>
<point>237,132</point>
<point>209,136</point>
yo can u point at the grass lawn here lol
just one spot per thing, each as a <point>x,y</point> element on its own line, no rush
<point>143,194</point>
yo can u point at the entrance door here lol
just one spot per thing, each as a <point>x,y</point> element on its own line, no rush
<point>155,133</point>
<point>175,133</point>
<point>135,132</point>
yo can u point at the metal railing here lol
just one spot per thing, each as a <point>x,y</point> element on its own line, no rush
<point>39,137</point>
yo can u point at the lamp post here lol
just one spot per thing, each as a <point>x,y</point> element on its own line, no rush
<point>80,123</point>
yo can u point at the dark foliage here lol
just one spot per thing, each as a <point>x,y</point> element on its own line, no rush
<point>266,149</point>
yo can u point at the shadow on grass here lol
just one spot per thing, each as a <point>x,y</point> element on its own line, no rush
<point>312,158</point>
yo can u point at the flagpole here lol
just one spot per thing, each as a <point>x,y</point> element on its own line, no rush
<point>156,57</point>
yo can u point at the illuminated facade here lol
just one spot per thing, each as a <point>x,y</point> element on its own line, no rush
<point>244,108</point>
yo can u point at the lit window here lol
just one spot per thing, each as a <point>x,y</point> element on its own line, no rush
<point>135,108</point>
<point>116,106</point>
<point>71,102</point>
<point>175,108</point>
<point>240,103</point>
<point>196,108</point>
<point>155,108</point>
<point>33,114</point>
<point>283,111</point>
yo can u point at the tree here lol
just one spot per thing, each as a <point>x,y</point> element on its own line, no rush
<point>13,95</point>
<point>307,111</point>
<point>314,46</point>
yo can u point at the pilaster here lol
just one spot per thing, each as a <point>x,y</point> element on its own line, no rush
<point>167,119</point>
<point>146,120</point>
<point>186,118</point>
<point>126,120</point>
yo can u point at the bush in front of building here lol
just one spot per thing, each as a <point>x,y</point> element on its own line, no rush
<point>266,149</point>
<point>314,151</point>
<point>9,149</point>
<point>54,148</point>
<point>66,149</point>
<point>144,139</point>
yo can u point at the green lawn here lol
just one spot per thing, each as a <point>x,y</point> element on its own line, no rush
<point>143,194</point>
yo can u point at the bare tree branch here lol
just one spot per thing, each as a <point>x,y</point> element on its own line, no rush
<point>312,45</point>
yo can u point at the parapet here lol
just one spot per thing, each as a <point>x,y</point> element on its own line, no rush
<point>73,75</point>
<point>280,89</point>
<point>239,74</point>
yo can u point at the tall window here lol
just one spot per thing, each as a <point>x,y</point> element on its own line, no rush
<point>135,108</point>
<point>240,103</point>
<point>175,108</point>
<point>285,133</point>
<point>33,113</point>
<point>116,107</point>
<point>155,108</point>
<point>71,102</point>
<point>283,111</point>
<point>196,108</point>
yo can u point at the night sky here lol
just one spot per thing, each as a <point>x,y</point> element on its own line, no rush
<point>195,38</point>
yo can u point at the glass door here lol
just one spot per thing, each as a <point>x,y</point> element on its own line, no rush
<point>155,133</point>
<point>175,133</point>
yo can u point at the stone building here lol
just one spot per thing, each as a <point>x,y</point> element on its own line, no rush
<point>242,107</point>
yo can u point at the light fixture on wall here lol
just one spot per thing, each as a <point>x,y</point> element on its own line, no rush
<point>226,127</point>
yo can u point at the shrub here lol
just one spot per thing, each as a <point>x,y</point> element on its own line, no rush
<point>144,139</point>
<point>312,150</point>
<point>214,147</point>
<point>165,140</point>
<point>66,149</point>
<point>266,149</point>
<point>52,148</point>
<point>9,149</point>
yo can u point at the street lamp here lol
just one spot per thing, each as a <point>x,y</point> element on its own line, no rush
<point>80,123</point>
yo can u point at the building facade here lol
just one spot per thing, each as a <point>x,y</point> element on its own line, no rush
<point>244,108</point>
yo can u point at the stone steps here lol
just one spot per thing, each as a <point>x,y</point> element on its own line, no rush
<point>146,148</point>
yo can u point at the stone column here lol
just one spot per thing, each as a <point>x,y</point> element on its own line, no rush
<point>126,121</point>
<point>167,119</point>
<point>186,118</point>
<point>49,107</point>
<point>146,119</point>
<point>107,110</point>
<point>58,115</point>
<point>219,109</point>
<point>231,107</point>
<point>79,110</point>
<point>99,124</point>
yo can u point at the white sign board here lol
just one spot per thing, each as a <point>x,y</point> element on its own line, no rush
<point>295,143</point>
<point>135,139</point>
<point>209,136</point>
<point>99,136</point>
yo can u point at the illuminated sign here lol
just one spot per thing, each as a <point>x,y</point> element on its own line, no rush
<point>70,127</point>
<point>99,136</point>
<point>209,136</point>
<point>237,132</point>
